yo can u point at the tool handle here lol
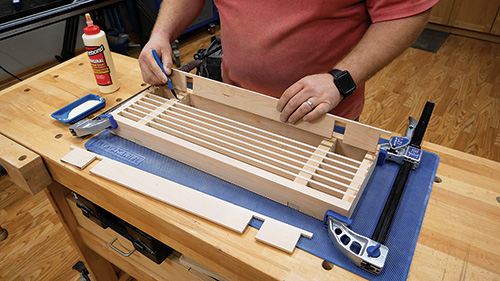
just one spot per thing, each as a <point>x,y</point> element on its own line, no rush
<point>411,127</point>
<point>160,64</point>
<point>418,135</point>
<point>190,65</point>
<point>158,61</point>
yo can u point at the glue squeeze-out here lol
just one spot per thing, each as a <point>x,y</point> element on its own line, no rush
<point>101,61</point>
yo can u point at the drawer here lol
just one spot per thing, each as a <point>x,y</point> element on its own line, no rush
<point>136,264</point>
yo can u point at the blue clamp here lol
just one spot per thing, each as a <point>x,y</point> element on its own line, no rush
<point>382,155</point>
<point>342,219</point>
<point>374,251</point>
<point>86,127</point>
<point>114,125</point>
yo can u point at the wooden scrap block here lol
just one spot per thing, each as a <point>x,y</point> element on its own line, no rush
<point>78,157</point>
<point>280,235</point>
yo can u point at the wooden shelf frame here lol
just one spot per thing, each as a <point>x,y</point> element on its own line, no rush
<point>310,177</point>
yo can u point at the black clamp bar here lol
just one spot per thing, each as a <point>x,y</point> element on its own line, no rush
<point>386,218</point>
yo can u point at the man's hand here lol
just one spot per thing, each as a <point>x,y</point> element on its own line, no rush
<point>309,98</point>
<point>151,72</point>
<point>173,18</point>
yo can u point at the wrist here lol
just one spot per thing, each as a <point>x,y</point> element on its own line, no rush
<point>161,35</point>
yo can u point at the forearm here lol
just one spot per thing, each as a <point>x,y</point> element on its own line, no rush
<point>174,16</point>
<point>382,43</point>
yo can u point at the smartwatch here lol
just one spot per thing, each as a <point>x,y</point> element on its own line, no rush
<point>343,80</point>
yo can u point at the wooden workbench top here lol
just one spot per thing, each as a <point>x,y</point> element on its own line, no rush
<point>459,240</point>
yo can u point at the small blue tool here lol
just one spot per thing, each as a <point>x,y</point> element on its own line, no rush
<point>86,127</point>
<point>160,64</point>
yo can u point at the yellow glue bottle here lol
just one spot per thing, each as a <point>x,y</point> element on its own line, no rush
<point>101,61</point>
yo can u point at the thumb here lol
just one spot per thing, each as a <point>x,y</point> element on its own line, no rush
<point>166,59</point>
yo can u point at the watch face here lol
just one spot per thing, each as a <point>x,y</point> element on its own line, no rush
<point>344,83</point>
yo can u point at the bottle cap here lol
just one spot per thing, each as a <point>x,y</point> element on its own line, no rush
<point>90,29</point>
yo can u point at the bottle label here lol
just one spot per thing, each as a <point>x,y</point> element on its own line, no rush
<point>99,65</point>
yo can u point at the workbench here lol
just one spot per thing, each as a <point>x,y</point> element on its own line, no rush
<point>459,239</point>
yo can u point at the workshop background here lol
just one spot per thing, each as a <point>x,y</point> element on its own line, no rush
<point>455,63</point>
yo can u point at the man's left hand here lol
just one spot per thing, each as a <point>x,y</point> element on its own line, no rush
<point>309,98</point>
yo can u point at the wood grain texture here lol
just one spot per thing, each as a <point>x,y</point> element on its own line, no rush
<point>256,103</point>
<point>24,168</point>
<point>264,106</point>
<point>459,236</point>
<point>99,268</point>
<point>495,29</point>
<point>440,12</point>
<point>462,78</point>
<point>474,15</point>
<point>401,89</point>
<point>37,247</point>
<point>233,170</point>
<point>79,157</point>
<point>98,240</point>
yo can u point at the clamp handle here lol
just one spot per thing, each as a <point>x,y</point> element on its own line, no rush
<point>366,253</point>
<point>411,127</point>
<point>418,135</point>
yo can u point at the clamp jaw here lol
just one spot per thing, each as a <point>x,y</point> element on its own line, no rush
<point>366,253</point>
<point>398,148</point>
<point>86,127</point>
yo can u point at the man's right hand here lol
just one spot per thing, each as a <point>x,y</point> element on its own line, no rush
<point>173,18</point>
<point>151,72</point>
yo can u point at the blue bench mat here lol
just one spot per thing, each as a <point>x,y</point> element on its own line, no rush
<point>402,237</point>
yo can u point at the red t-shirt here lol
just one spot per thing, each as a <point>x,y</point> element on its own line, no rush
<point>269,45</point>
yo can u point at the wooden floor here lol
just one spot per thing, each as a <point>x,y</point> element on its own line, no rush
<point>37,247</point>
<point>462,78</point>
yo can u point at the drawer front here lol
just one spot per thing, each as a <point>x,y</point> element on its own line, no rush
<point>136,264</point>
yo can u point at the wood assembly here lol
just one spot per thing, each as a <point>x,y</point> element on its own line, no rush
<point>219,129</point>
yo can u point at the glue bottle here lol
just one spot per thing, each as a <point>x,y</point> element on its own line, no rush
<point>101,61</point>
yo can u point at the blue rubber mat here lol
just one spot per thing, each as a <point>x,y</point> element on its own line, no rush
<point>402,237</point>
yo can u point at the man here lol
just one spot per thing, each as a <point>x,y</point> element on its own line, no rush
<point>310,54</point>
